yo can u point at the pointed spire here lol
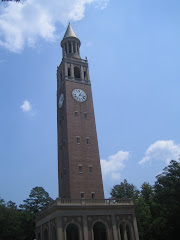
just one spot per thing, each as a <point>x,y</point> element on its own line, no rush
<point>69,32</point>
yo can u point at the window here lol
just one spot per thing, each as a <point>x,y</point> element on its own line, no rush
<point>78,140</point>
<point>80,168</point>
<point>70,48</point>
<point>64,143</point>
<point>93,195</point>
<point>82,194</point>
<point>84,74</point>
<point>60,146</point>
<point>69,72</point>
<point>87,141</point>
<point>90,169</point>
<point>74,47</point>
<point>77,72</point>
<point>85,115</point>
<point>63,117</point>
<point>76,114</point>
<point>61,174</point>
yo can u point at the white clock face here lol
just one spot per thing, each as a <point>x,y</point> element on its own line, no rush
<point>79,95</point>
<point>61,100</point>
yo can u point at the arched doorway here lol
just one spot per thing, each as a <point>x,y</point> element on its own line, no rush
<point>125,231</point>
<point>46,234</point>
<point>72,232</point>
<point>54,235</point>
<point>99,231</point>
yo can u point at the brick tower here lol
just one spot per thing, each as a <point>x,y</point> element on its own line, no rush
<point>81,212</point>
<point>79,170</point>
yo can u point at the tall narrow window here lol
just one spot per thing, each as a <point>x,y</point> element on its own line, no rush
<point>74,47</point>
<point>93,195</point>
<point>80,168</point>
<point>82,194</point>
<point>69,72</point>
<point>64,143</point>
<point>78,140</point>
<point>70,48</point>
<point>84,74</point>
<point>76,114</point>
<point>87,141</point>
<point>90,169</point>
<point>85,115</point>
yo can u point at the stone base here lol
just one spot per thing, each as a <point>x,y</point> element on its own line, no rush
<point>107,219</point>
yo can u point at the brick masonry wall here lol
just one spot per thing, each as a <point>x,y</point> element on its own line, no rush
<point>74,154</point>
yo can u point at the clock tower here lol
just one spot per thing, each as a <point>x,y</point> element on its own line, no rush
<point>79,170</point>
<point>81,212</point>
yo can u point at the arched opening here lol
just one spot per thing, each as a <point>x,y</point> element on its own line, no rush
<point>70,48</point>
<point>76,72</point>
<point>125,231</point>
<point>99,231</point>
<point>46,234</point>
<point>72,232</point>
<point>54,235</point>
<point>74,47</point>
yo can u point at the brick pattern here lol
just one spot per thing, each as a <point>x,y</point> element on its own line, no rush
<point>72,154</point>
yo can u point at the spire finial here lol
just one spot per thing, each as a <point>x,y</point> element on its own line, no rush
<point>70,32</point>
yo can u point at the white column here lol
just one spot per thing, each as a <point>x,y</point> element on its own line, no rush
<point>81,72</point>
<point>114,227</point>
<point>72,70</point>
<point>59,228</point>
<point>66,70</point>
<point>67,47</point>
<point>87,70</point>
<point>135,228</point>
<point>85,227</point>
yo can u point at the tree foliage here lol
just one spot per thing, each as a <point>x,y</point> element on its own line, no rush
<point>125,190</point>
<point>158,206</point>
<point>38,199</point>
<point>18,224</point>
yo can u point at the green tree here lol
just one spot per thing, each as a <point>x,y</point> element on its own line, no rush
<point>10,223</point>
<point>125,190</point>
<point>19,224</point>
<point>144,219</point>
<point>147,192</point>
<point>166,222</point>
<point>38,199</point>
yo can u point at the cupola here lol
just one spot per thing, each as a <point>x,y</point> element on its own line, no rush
<point>70,43</point>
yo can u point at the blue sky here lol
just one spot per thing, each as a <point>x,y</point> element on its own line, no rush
<point>133,51</point>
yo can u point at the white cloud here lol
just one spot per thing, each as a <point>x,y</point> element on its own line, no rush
<point>161,151</point>
<point>26,106</point>
<point>22,24</point>
<point>112,167</point>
